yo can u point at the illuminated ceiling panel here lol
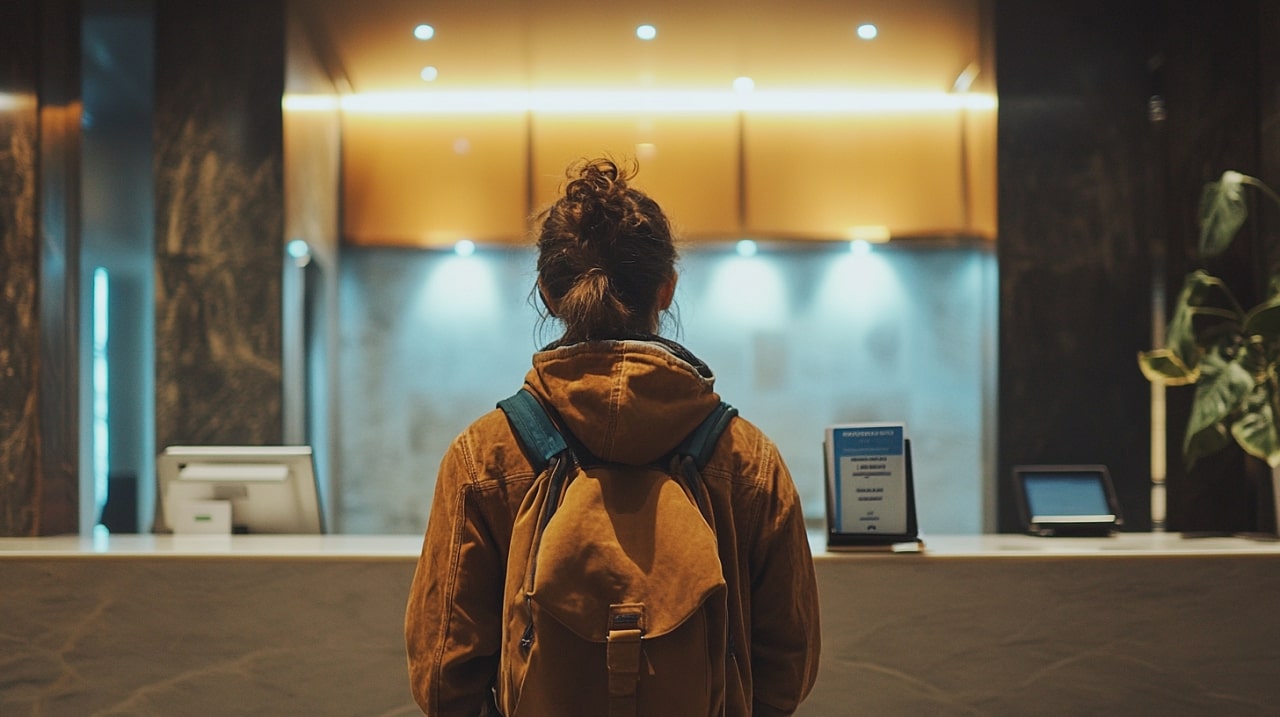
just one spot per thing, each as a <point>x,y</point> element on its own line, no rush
<point>580,44</point>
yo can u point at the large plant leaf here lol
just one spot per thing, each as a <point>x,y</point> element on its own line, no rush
<point>1204,310</point>
<point>1204,442</point>
<point>1263,320</point>
<point>1223,210</point>
<point>1165,366</point>
<point>1256,431</point>
<point>1224,384</point>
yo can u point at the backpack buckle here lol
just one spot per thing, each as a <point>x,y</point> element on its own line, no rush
<point>626,631</point>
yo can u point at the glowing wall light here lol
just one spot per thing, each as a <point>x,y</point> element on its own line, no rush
<point>861,283</point>
<point>101,401</point>
<point>460,291</point>
<point>299,251</point>
<point>311,103</point>
<point>872,234</point>
<point>747,291</point>
<point>10,101</point>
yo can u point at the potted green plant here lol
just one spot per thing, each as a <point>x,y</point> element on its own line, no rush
<point>1229,353</point>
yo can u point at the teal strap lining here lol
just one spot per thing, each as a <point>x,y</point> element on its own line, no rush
<point>537,434</point>
<point>542,441</point>
<point>702,442</point>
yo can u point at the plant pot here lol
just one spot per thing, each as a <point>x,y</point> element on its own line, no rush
<point>1275,502</point>
<point>1261,479</point>
<point>1212,497</point>
<point>1227,492</point>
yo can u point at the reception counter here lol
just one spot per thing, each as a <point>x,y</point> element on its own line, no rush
<point>1138,624</point>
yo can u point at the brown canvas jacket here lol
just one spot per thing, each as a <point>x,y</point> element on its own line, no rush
<point>630,402</point>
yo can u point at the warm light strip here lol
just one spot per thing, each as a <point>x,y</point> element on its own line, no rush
<point>643,102</point>
<point>311,103</point>
<point>10,101</point>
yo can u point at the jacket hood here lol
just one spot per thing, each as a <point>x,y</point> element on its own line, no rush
<point>626,401</point>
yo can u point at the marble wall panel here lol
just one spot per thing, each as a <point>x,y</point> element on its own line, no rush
<point>19,269</point>
<point>219,221</point>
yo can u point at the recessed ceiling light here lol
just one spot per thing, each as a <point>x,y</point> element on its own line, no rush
<point>867,31</point>
<point>875,234</point>
<point>424,32</point>
<point>646,32</point>
<point>744,84</point>
<point>429,74</point>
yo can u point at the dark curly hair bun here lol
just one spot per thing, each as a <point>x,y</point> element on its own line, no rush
<point>604,250</point>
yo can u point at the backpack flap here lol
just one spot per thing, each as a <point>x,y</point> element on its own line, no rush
<point>625,536</point>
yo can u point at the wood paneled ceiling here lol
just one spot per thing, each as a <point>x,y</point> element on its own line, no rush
<point>922,45</point>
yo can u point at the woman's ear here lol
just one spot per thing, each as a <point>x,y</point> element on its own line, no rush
<point>667,292</point>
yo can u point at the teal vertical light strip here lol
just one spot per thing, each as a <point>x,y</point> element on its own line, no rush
<point>101,425</point>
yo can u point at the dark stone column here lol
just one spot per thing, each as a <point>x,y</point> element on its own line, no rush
<point>58,504</point>
<point>219,221</point>
<point>1269,121</point>
<point>39,266</point>
<point>1211,72</point>
<point>1075,279</point>
<point>19,269</point>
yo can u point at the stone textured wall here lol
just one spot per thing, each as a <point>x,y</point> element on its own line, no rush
<point>19,270</point>
<point>219,222</point>
<point>39,267</point>
<point>1073,247</point>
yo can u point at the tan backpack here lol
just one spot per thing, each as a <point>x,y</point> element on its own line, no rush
<point>615,600</point>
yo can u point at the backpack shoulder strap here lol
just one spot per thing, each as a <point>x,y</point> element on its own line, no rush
<point>700,444</point>
<point>692,454</point>
<point>538,436</point>
<point>542,441</point>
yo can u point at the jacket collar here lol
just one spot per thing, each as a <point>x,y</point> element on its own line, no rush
<point>629,400</point>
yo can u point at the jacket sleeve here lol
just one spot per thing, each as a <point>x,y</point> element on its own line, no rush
<point>454,615</point>
<point>785,635</point>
